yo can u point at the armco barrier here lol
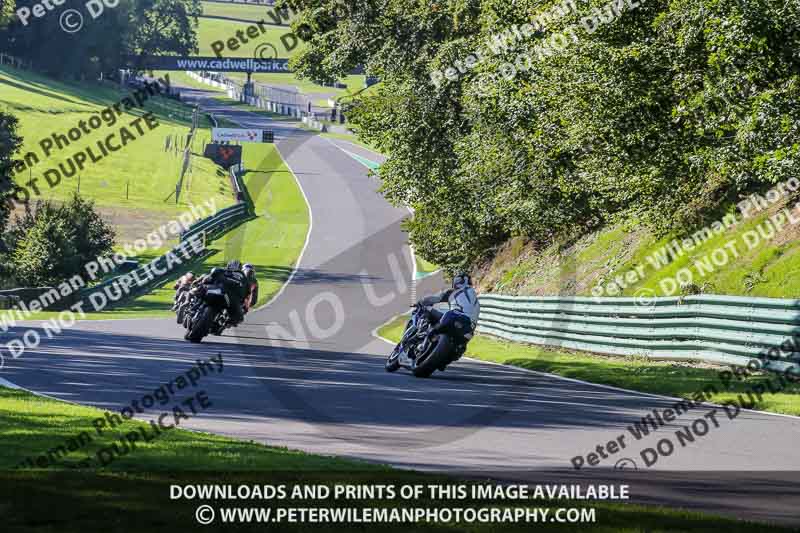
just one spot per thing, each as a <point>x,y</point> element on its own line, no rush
<point>717,329</point>
<point>153,274</point>
<point>48,297</point>
<point>219,223</point>
<point>225,219</point>
<point>158,271</point>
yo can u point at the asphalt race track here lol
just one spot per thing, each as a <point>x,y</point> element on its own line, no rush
<point>307,372</point>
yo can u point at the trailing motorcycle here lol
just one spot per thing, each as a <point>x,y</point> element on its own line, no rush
<point>205,312</point>
<point>423,352</point>
<point>184,301</point>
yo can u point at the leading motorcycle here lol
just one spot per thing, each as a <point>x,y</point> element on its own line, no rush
<point>422,352</point>
<point>207,312</point>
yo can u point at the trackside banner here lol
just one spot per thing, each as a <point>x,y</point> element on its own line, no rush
<point>214,64</point>
<point>228,64</point>
<point>236,134</point>
<point>225,156</point>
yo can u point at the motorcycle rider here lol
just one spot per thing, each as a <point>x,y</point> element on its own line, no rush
<point>184,281</point>
<point>463,301</point>
<point>234,283</point>
<point>183,284</point>
<point>252,287</point>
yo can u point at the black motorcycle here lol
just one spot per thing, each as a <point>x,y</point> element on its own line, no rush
<point>206,312</point>
<point>423,353</point>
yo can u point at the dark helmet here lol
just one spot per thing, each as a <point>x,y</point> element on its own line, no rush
<point>248,266</point>
<point>234,264</point>
<point>462,280</point>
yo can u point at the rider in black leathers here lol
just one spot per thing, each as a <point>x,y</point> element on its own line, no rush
<point>234,283</point>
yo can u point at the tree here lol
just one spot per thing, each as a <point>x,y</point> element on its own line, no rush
<point>94,237</point>
<point>164,26</point>
<point>51,243</point>
<point>662,111</point>
<point>10,143</point>
<point>6,11</point>
<point>46,250</point>
<point>132,27</point>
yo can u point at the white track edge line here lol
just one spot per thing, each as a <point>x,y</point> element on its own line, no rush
<point>308,233</point>
<point>305,245</point>
<point>356,145</point>
<point>14,386</point>
<point>600,385</point>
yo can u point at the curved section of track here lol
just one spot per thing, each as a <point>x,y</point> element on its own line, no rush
<point>305,371</point>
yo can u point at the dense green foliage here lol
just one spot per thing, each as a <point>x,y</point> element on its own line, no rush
<point>53,242</point>
<point>10,143</point>
<point>6,11</point>
<point>666,110</point>
<point>133,27</point>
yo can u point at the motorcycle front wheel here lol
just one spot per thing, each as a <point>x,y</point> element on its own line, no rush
<point>393,361</point>
<point>181,313</point>
<point>200,327</point>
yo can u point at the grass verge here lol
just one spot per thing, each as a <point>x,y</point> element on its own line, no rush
<point>133,492</point>
<point>141,175</point>
<point>272,241</point>
<point>236,10</point>
<point>657,377</point>
<point>36,424</point>
<point>354,82</point>
<point>180,78</point>
<point>747,257</point>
